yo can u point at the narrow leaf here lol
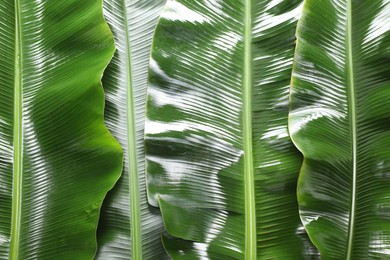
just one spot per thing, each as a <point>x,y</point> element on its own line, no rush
<point>130,228</point>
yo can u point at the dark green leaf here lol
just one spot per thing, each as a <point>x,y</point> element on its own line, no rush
<point>57,159</point>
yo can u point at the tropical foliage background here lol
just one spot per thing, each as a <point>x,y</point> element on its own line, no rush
<point>194,129</point>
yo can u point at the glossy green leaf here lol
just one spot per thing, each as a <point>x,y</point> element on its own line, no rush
<point>340,122</point>
<point>57,159</point>
<point>130,228</point>
<point>220,162</point>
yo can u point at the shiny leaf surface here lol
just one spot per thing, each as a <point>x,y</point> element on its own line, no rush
<point>57,159</point>
<point>130,228</point>
<point>340,122</point>
<point>220,162</point>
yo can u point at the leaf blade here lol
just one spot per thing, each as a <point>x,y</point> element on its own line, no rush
<point>196,138</point>
<point>48,148</point>
<point>331,122</point>
<point>129,227</point>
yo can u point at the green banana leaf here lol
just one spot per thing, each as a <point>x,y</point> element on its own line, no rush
<point>220,162</point>
<point>57,159</point>
<point>340,121</point>
<point>129,227</point>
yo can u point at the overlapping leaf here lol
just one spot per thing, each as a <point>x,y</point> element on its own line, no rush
<point>53,143</point>
<point>340,121</point>
<point>130,228</point>
<point>220,162</point>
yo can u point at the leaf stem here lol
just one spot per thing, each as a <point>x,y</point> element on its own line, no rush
<point>250,206</point>
<point>135,228</point>
<point>352,112</point>
<point>17,141</point>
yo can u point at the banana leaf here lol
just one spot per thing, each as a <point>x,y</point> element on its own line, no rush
<point>129,227</point>
<point>57,159</point>
<point>220,163</point>
<point>340,121</point>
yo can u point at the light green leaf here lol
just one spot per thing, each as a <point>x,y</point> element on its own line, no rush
<point>130,228</point>
<point>57,159</point>
<point>340,122</point>
<point>220,162</point>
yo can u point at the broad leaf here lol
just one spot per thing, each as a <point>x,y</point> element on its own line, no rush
<point>220,162</point>
<point>340,121</point>
<point>57,159</point>
<point>130,228</point>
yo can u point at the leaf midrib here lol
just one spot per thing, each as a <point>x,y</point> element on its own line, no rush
<point>250,206</point>
<point>132,151</point>
<point>352,112</point>
<point>17,140</point>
